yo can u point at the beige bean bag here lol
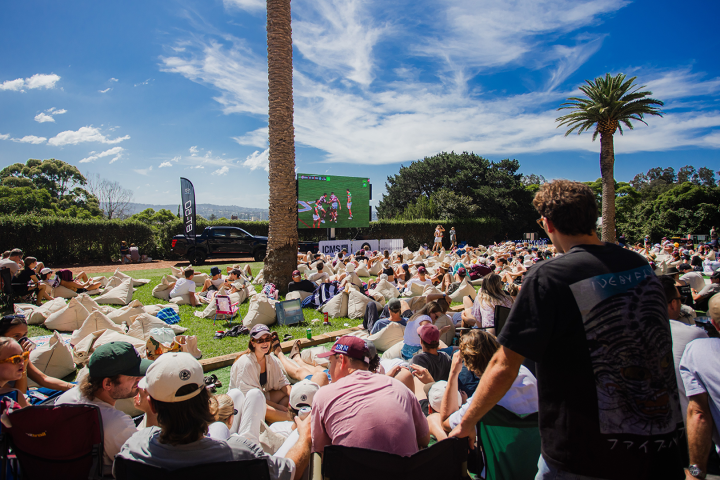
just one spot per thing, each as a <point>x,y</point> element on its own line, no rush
<point>200,278</point>
<point>38,315</point>
<point>94,322</point>
<point>352,278</point>
<point>375,269</point>
<point>261,310</point>
<point>162,289</point>
<point>386,338</point>
<point>259,279</point>
<point>120,295</point>
<point>143,323</point>
<point>91,304</point>
<point>386,289</point>
<point>103,280</point>
<point>53,359</point>
<point>299,294</point>
<point>362,270</point>
<point>416,303</point>
<point>83,350</point>
<point>463,290</point>
<point>378,297</point>
<point>185,300</point>
<point>123,314</point>
<point>431,289</point>
<point>154,309</point>
<point>394,351</point>
<point>63,292</point>
<point>448,336</point>
<point>476,283</point>
<point>337,306</point>
<point>357,303</point>
<point>137,282</point>
<point>416,290</point>
<point>69,318</point>
<point>309,355</point>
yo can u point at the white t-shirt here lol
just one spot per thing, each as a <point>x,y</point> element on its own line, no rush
<point>118,427</point>
<point>682,335</point>
<point>411,336</point>
<point>182,287</point>
<point>417,280</point>
<point>694,279</point>
<point>319,276</point>
<point>521,398</point>
<point>217,283</point>
<point>219,431</point>
<point>282,428</point>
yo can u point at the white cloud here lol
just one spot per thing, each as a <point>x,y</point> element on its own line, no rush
<point>145,82</point>
<point>4,136</point>
<point>143,171</point>
<point>39,80</point>
<point>249,5</point>
<point>57,112</point>
<point>258,160</point>
<point>256,138</point>
<point>117,151</point>
<point>175,159</point>
<point>82,135</point>
<point>165,164</point>
<point>193,151</point>
<point>43,117</point>
<point>105,91</point>
<point>113,80</point>
<point>30,139</point>
<point>221,171</point>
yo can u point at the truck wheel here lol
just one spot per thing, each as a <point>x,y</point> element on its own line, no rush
<point>196,257</point>
<point>259,255</point>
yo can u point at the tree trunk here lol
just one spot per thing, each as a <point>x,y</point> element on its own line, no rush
<point>607,170</point>
<point>281,257</point>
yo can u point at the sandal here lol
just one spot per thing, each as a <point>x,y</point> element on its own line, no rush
<point>287,337</point>
<point>215,380</point>
<point>295,349</point>
<point>275,342</point>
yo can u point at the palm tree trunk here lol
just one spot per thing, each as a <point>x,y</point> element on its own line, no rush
<point>607,170</point>
<point>281,258</point>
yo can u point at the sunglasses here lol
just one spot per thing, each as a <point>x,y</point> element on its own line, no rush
<point>264,340</point>
<point>17,359</point>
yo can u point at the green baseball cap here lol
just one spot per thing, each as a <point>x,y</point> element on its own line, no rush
<point>117,358</point>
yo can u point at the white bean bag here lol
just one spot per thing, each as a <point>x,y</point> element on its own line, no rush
<point>431,289</point>
<point>353,279</point>
<point>94,322</point>
<point>386,338</point>
<point>53,359</point>
<point>69,318</point>
<point>103,280</point>
<point>260,278</point>
<point>113,336</point>
<point>84,348</point>
<point>357,303</point>
<point>120,295</point>
<point>155,309</point>
<point>416,290</point>
<point>177,272</point>
<point>200,278</point>
<point>476,283</point>
<point>261,310</point>
<point>416,303</point>
<point>309,355</point>
<point>442,321</point>
<point>137,282</point>
<point>463,290</point>
<point>376,268</point>
<point>63,292</point>
<point>362,270</point>
<point>337,306</point>
<point>386,289</point>
<point>91,304</point>
<point>38,315</point>
<point>123,314</point>
<point>378,297</point>
<point>162,289</point>
<point>142,325</point>
<point>299,294</point>
<point>184,300</point>
<point>393,352</point>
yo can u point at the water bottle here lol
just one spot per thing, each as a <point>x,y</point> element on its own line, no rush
<point>304,412</point>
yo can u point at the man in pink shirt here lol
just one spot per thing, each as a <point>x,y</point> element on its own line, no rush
<point>365,410</point>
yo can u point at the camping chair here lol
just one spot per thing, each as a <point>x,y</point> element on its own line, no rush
<point>61,442</point>
<point>224,308</point>
<point>256,469</point>
<point>510,444</point>
<point>446,459</point>
<point>8,297</point>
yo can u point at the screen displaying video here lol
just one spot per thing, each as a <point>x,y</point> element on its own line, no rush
<point>329,201</point>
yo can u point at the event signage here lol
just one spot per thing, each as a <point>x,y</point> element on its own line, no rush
<point>187,193</point>
<point>331,247</point>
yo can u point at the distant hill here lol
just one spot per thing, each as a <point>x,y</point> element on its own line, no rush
<point>207,209</point>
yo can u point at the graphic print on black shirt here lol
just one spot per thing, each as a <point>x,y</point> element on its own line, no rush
<point>634,379</point>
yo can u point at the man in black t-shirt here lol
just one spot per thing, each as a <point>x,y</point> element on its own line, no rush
<point>595,321</point>
<point>298,284</point>
<point>436,363</point>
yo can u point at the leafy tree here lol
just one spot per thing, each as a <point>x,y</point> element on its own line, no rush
<point>21,200</point>
<point>706,177</point>
<point>212,217</point>
<point>55,176</point>
<point>533,179</point>
<point>150,217</point>
<point>422,208</point>
<point>687,174</point>
<point>609,103</point>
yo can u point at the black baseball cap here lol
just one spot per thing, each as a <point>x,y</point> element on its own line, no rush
<point>117,358</point>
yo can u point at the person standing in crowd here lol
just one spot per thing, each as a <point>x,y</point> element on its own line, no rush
<point>608,401</point>
<point>699,369</point>
<point>437,245</point>
<point>453,238</point>
<point>365,410</point>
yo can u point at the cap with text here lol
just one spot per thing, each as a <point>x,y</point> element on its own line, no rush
<point>350,346</point>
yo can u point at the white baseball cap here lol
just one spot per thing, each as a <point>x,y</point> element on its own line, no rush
<point>435,391</point>
<point>171,372</point>
<point>302,394</point>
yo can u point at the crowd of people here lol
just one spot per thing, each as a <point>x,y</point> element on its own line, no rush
<point>601,342</point>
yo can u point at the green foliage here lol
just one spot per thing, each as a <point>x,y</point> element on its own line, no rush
<point>608,100</point>
<point>150,217</point>
<point>22,200</point>
<point>495,189</point>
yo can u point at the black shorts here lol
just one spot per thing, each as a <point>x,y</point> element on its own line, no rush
<point>81,290</point>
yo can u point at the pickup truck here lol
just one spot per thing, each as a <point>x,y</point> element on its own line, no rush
<point>224,242</point>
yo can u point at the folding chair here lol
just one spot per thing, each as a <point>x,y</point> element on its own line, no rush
<point>8,295</point>
<point>446,459</point>
<point>510,444</point>
<point>224,308</point>
<point>256,469</point>
<point>61,442</point>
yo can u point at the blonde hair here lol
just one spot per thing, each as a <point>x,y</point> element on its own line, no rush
<point>221,407</point>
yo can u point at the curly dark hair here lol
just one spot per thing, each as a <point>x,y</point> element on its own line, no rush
<point>571,206</point>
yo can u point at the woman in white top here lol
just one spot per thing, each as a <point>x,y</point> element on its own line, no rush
<point>256,368</point>
<point>438,238</point>
<point>482,312</point>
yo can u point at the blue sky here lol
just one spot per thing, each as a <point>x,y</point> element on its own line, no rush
<point>147,92</point>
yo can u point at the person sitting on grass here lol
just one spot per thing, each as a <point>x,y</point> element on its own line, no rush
<point>12,368</point>
<point>256,368</point>
<point>398,311</point>
<point>436,363</point>
<point>26,282</point>
<point>13,261</point>
<point>79,283</point>
<point>300,285</point>
<point>185,287</point>
<point>320,276</point>
<point>421,279</point>
<point>387,270</point>
<point>214,283</point>
<point>481,312</point>
<point>177,394</point>
<point>15,327</point>
<point>298,369</point>
<point>234,281</point>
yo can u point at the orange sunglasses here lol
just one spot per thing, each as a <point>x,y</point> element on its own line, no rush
<point>17,359</point>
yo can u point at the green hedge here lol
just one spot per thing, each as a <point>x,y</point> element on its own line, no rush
<point>61,240</point>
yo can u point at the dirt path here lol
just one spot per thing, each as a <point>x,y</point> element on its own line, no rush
<point>107,267</point>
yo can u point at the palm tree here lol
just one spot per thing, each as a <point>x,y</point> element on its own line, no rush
<point>610,102</point>
<point>281,257</point>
